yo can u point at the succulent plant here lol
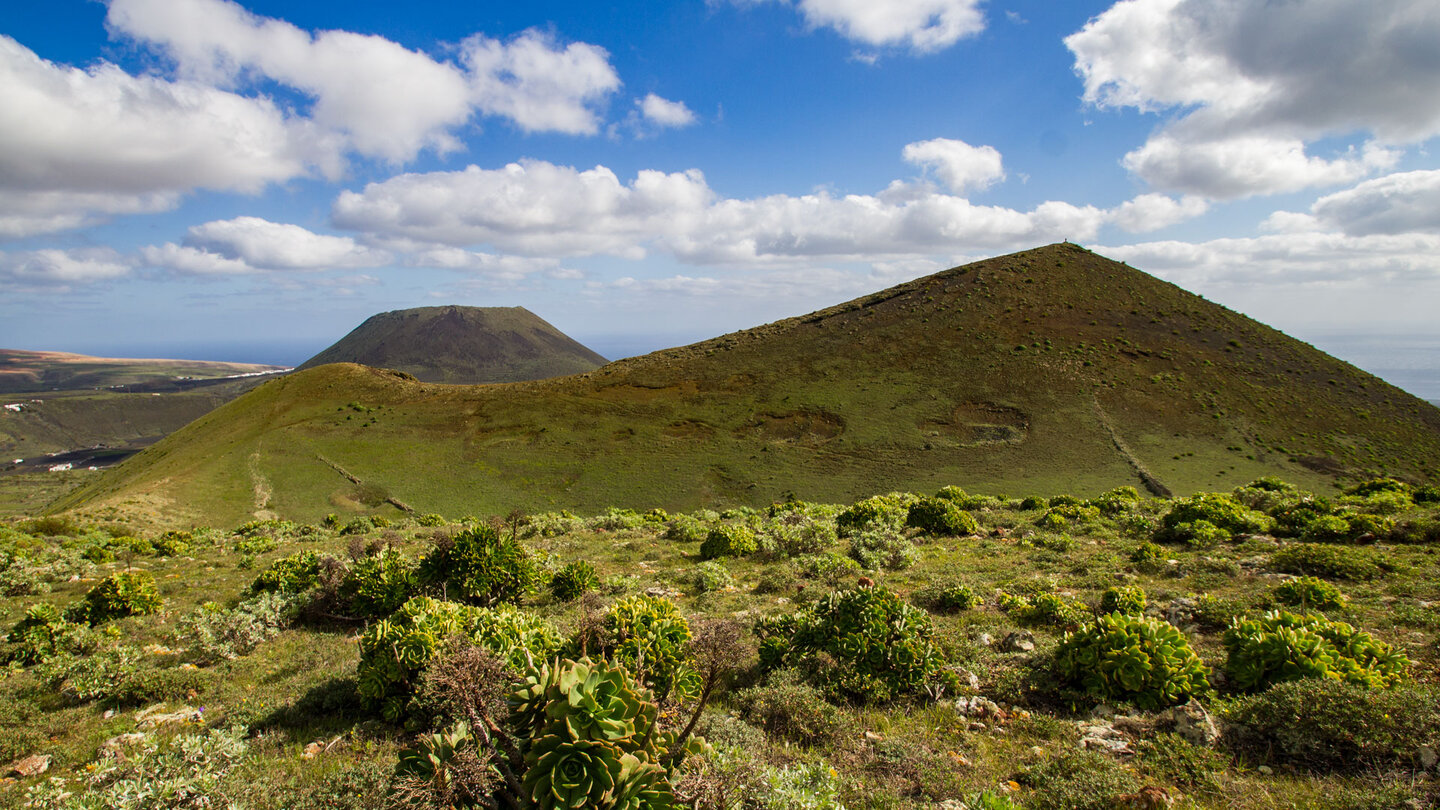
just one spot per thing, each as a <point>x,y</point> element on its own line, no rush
<point>728,540</point>
<point>941,517</point>
<point>570,582</point>
<point>294,574</point>
<point>1144,660</point>
<point>481,567</point>
<point>124,593</point>
<point>648,635</point>
<point>1309,592</point>
<point>1123,599</point>
<point>1282,646</point>
<point>378,584</point>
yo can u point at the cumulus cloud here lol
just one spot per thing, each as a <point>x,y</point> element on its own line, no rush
<point>250,245</point>
<point>1151,212</point>
<point>1407,202</point>
<point>536,208</point>
<point>75,143</point>
<point>1256,83</point>
<point>922,26</point>
<point>387,100</point>
<point>663,112</point>
<point>494,266</point>
<point>62,268</point>
<point>959,165</point>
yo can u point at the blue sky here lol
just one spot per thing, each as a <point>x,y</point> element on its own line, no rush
<point>203,178</point>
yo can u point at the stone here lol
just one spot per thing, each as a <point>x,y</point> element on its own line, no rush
<point>1020,641</point>
<point>977,706</point>
<point>1427,757</point>
<point>986,639</point>
<point>1191,722</point>
<point>312,750</point>
<point>156,716</point>
<point>1266,770</point>
<point>33,765</point>
<point>969,680</point>
<point>1149,797</point>
<point>871,736</point>
<point>121,741</point>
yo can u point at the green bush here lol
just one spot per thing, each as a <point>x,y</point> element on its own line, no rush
<point>124,593</point>
<point>787,707</point>
<point>377,584</point>
<point>173,543</point>
<point>1197,534</point>
<point>481,567</point>
<point>686,529</point>
<point>647,635</point>
<point>829,566</point>
<point>45,632</point>
<point>947,598</point>
<point>1077,780</point>
<point>1136,658</point>
<point>1282,646</point>
<point>794,534</point>
<point>1123,599</point>
<point>1220,511</point>
<point>294,574</point>
<point>1335,725</point>
<point>711,576</point>
<point>1427,494</point>
<point>394,651</point>
<point>940,517</point>
<point>1117,501</point>
<point>878,548</point>
<point>185,772</point>
<point>1309,592</point>
<point>1041,608</point>
<point>215,633</point>
<point>430,520</point>
<point>1147,553</point>
<point>728,540</point>
<point>573,581</point>
<point>1331,562</point>
<point>1377,486</point>
<point>880,647</point>
<point>877,511</point>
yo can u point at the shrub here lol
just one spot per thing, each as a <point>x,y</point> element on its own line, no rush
<point>481,567</point>
<point>878,548</point>
<point>1282,646</point>
<point>1326,529</point>
<point>728,540</point>
<point>214,632</point>
<point>1220,511</point>
<point>186,772</point>
<point>1329,724</point>
<point>686,529</point>
<point>173,543</point>
<point>830,567</point>
<point>1426,494</point>
<point>1197,534</point>
<point>1128,599</point>
<point>947,598</point>
<point>574,580</point>
<point>615,519</point>
<point>1147,552</point>
<point>124,593</point>
<point>877,511</point>
<point>294,574</point>
<point>1136,658</point>
<point>377,584</point>
<point>553,524</point>
<point>787,707</point>
<point>1041,608</point>
<point>940,517</point>
<point>711,576</point>
<point>795,534</point>
<point>1033,503</point>
<point>1118,500</point>
<point>1375,486</point>
<point>647,634</point>
<point>881,647</point>
<point>44,632</point>
<point>1331,562</point>
<point>1077,780</point>
<point>1309,592</point>
<point>1176,760</point>
<point>430,520</point>
<point>394,651</point>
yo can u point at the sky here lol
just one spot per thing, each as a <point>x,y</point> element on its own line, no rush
<point>214,180</point>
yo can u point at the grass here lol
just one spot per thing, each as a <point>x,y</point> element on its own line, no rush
<point>296,688</point>
<point>1024,373</point>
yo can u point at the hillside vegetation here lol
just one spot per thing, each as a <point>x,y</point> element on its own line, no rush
<point>1264,647</point>
<point>462,346</point>
<point>1048,371</point>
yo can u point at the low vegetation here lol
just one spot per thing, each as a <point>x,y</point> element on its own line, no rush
<point>906,650</point>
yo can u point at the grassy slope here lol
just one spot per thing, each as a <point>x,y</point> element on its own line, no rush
<point>1013,374</point>
<point>24,371</point>
<point>462,345</point>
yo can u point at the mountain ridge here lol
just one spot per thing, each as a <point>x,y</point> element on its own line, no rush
<point>1045,371</point>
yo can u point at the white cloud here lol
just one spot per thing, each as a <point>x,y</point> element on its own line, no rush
<point>924,26</point>
<point>61,268</point>
<point>663,112</point>
<point>387,100</point>
<point>959,165</point>
<point>535,208</point>
<point>1256,82</point>
<point>1399,203</point>
<point>495,266</point>
<point>75,143</point>
<point>250,244</point>
<point>1151,212</point>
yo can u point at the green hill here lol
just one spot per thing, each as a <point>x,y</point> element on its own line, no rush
<point>1051,370</point>
<point>462,345</point>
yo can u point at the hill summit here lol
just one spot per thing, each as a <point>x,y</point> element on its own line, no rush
<point>1050,371</point>
<point>462,345</point>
